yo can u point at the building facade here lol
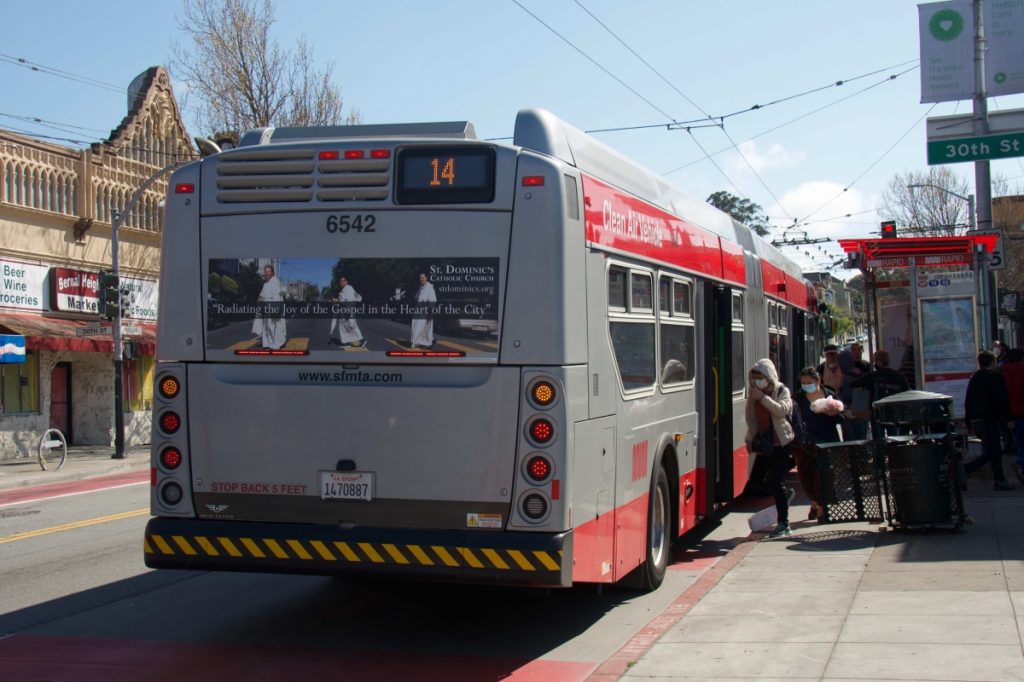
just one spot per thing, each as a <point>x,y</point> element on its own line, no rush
<point>57,205</point>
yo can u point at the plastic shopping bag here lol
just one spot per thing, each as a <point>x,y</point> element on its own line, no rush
<point>764,520</point>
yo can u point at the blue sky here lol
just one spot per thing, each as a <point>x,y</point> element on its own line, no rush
<point>482,61</point>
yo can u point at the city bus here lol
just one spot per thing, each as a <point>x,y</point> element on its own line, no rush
<point>399,350</point>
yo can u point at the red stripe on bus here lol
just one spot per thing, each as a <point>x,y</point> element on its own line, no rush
<point>620,221</point>
<point>773,280</point>
<point>608,547</point>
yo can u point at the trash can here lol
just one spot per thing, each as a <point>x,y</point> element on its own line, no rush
<point>848,482</point>
<point>917,440</point>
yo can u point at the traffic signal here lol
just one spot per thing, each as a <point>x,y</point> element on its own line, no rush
<point>110,295</point>
<point>888,229</point>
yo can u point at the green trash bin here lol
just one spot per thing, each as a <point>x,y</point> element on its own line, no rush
<point>920,459</point>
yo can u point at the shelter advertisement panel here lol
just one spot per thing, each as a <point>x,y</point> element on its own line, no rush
<point>950,346</point>
<point>398,307</point>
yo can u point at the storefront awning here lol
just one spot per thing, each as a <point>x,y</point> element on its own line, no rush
<point>53,333</point>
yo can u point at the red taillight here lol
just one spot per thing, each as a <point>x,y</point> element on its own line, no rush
<point>533,180</point>
<point>170,457</point>
<point>541,431</point>
<point>538,468</point>
<point>170,422</point>
<point>354,154</point>
<point>330,155</point>
<point>380,154</point>
<point>184,188</point>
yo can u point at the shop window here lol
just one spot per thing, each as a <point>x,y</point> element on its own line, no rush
<point>19,385</point>
<point>137,383</point>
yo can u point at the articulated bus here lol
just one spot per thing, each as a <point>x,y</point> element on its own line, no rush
<point>403,351</point>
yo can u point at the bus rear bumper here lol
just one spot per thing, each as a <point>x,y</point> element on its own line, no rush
<point>531,559</point>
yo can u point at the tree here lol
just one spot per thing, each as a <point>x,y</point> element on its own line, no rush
<point>927,211</point>
<point>243,79</point>
<point>743,210</point>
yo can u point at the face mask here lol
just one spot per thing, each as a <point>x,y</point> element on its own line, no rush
<point>809,388</point>
<point>761,383</point>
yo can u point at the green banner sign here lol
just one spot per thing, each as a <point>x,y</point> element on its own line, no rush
<point>958,150</point>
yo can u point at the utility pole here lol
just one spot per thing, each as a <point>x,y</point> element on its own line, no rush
<point>118,345</point>
<point>982,170</point>
<point>115,224</point>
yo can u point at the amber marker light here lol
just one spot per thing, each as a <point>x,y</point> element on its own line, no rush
<point>169,387</point>
<point>543,393</point>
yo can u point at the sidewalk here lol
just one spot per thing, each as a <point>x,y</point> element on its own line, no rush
<point>857,601</point>
<point>84,461</point>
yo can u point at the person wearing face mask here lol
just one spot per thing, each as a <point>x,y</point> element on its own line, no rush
<point>819,427</point>
<point>769,433</point>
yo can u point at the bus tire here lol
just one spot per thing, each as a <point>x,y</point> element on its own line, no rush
<point>659,531</point>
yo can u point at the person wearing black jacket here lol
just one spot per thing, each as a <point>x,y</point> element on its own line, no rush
<point>986,408</point>
<point>819,427</point>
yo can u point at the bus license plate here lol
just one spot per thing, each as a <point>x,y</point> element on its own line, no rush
<point>346,485</point>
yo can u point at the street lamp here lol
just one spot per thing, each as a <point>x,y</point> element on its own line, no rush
<point>206,148</point>
<point>971,220</point>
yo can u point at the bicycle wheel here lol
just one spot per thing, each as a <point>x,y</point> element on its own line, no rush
<point>53,450</point>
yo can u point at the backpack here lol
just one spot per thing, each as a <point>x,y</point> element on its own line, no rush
<point>796,421</point>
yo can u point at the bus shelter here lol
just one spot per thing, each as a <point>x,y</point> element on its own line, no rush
<point>927,304</point>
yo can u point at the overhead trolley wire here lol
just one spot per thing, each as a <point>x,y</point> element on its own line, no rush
<point>595,62</point>
<point>618,80</point>
<point>875,162</point>
<point>59,73</point>
<point>795,120</point>
<point>695,105</point>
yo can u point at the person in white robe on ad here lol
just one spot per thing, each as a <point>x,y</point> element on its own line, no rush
<point>271,330</point>
<point>421,333</point>
<point>348,329</point>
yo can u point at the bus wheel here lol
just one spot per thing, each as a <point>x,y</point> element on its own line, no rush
<point>659,525</point>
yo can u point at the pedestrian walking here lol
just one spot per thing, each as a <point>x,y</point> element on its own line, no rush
<point>819,427</point>
<point>1013,376</point>
<point>986,407</point>
<point>769,433</point>
<point>855,427</point>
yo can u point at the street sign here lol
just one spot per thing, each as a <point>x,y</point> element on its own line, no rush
<point>94,329</point>
<point>129,329</point>
<point>959,150</point>
<point>996,259</point>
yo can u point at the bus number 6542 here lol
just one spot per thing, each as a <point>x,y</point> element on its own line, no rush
<point>353,223</point>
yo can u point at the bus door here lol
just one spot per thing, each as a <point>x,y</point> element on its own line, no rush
<point>717,417</point>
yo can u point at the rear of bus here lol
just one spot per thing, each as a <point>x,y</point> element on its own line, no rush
<point>367,339</point>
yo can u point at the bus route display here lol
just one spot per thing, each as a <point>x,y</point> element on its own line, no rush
<point>446,175</point>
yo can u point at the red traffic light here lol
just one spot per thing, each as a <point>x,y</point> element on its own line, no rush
<point>888,229</point>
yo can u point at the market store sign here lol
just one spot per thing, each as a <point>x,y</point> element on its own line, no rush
<point>21,285</point>
<point>74,291</point>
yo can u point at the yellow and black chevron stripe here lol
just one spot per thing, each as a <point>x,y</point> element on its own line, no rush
<point>368,553</point>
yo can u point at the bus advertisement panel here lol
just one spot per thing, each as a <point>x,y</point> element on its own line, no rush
<point>389,306</point>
